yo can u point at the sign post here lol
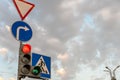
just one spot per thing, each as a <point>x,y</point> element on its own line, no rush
<point>29,65</point>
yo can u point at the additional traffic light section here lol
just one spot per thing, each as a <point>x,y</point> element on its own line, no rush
<point>36,70</point>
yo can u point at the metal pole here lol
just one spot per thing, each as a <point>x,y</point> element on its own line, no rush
<point>19,77</point>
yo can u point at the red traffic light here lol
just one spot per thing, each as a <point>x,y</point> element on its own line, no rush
<point>26,48</point>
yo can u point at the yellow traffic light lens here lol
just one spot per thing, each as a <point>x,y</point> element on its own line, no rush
<point>26,59</point>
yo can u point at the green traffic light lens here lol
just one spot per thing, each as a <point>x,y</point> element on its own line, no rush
<point>36,70</point>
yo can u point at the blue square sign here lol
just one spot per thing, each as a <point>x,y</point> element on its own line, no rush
<point>44,62</point>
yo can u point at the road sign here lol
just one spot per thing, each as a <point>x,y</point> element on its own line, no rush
<point>23,7</point>
<point>44,62</point>
<point>21,31</point>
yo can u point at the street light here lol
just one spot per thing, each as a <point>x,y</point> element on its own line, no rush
<point>109,70</point>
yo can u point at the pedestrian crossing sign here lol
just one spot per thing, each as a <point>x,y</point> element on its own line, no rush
<point>45,64</point>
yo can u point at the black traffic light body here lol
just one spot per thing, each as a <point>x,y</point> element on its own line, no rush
<point>25,68</point>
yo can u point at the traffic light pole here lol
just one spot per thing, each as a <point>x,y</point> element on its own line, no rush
<point>19,77</point>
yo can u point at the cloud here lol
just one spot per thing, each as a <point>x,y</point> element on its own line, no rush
<point>1,78</point>
<point>3,51</point>
<point>106,14</point>
<point>61,72</point>
<point>72,32</point>
<point>53,42</point>
<point>71,3</point>
<point>37,50</point>
<point>12,79</point>
<point>8,28</point>
<point>63,57</point>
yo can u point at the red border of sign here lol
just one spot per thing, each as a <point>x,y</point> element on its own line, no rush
<point>23,17</point>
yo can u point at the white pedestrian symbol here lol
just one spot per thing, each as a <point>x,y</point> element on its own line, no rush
<point>42,65</point>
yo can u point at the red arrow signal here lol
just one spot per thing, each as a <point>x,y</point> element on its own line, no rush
<point>23,8</point>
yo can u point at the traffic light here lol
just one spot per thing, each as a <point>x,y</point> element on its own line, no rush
<point>25,67</point>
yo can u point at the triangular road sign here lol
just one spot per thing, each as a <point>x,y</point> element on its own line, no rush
<point>42,63</point>
<point>23,8</point>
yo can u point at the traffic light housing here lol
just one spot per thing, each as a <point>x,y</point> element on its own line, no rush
<point>25,67</point>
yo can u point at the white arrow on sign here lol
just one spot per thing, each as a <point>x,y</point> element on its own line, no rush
<point>18,30</point>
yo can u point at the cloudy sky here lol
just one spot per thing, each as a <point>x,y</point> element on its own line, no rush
<point>81,36</point>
